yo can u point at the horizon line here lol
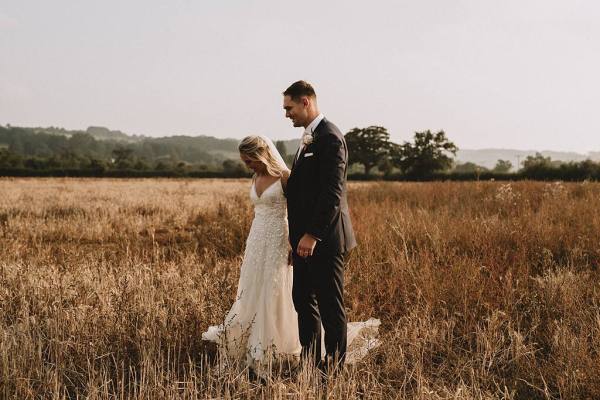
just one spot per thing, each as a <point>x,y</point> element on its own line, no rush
<point>8,125</point>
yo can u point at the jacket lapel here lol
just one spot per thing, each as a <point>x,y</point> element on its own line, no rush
<point>301,155</point>
<point>298,158</point>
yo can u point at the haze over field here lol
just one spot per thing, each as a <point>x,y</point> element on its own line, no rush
<point>514,74</point>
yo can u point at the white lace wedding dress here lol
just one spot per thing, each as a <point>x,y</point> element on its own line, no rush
<point>262,321</point>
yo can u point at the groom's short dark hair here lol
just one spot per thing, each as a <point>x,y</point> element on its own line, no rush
<point>299,89</point>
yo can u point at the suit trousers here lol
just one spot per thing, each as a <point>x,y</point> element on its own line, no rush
<point>318,294</point>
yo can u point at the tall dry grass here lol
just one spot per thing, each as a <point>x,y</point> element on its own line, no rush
<point>485,290</point>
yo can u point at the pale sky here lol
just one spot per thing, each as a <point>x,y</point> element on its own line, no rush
<point>508,74</point>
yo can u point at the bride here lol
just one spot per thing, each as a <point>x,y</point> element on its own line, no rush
<point>262,322</point>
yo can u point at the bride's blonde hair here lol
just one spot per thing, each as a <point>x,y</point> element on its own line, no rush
<point>258,149</point>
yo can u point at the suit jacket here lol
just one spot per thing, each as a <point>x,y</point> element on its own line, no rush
<point>316,192</point>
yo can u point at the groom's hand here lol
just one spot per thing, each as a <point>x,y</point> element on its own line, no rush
<point>306,246</point>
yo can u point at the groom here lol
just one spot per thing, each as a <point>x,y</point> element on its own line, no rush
<point>319,223</point>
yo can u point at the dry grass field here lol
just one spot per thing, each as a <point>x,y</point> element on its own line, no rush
<point>484,289</point>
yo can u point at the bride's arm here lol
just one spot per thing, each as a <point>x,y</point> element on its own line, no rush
<point>284,179</point>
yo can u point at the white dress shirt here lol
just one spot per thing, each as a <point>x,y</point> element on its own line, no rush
<point>309,131</point>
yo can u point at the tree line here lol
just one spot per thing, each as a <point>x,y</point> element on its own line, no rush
<point>430,156</point>
<point>53,151</point>
<point>100,152</point>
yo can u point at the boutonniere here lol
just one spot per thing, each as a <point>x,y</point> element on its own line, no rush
<point>307,139</point>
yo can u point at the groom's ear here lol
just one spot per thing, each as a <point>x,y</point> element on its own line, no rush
<point>305,101</point>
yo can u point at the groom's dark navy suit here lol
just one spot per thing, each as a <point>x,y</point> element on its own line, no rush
<point>317,205</point>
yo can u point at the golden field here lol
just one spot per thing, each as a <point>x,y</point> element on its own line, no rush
<point>484,289</point>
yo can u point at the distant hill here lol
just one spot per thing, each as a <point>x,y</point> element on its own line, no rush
<point>98,132</point>
<point>100,141</point>
<point>488,157</point>
<point>100,144</point>
<point>102,133</point>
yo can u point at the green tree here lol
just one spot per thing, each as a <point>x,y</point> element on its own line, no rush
<point>162,166</point>
<point>468,167</point>
<point>98,165</point>
<point>429,153</point>
<point>540,167</point>
<point>141,165</point>
<point>35,163</point>
<point>17,145</point>
<point>502,166</point>
<point>9,159</point>
<point>71,160</point>
<point>538,161</point>
<point>82,143</point>
<point>233,167</point>
<point>123,157</point>
<point>368,146</point>
<point>385,165</point>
